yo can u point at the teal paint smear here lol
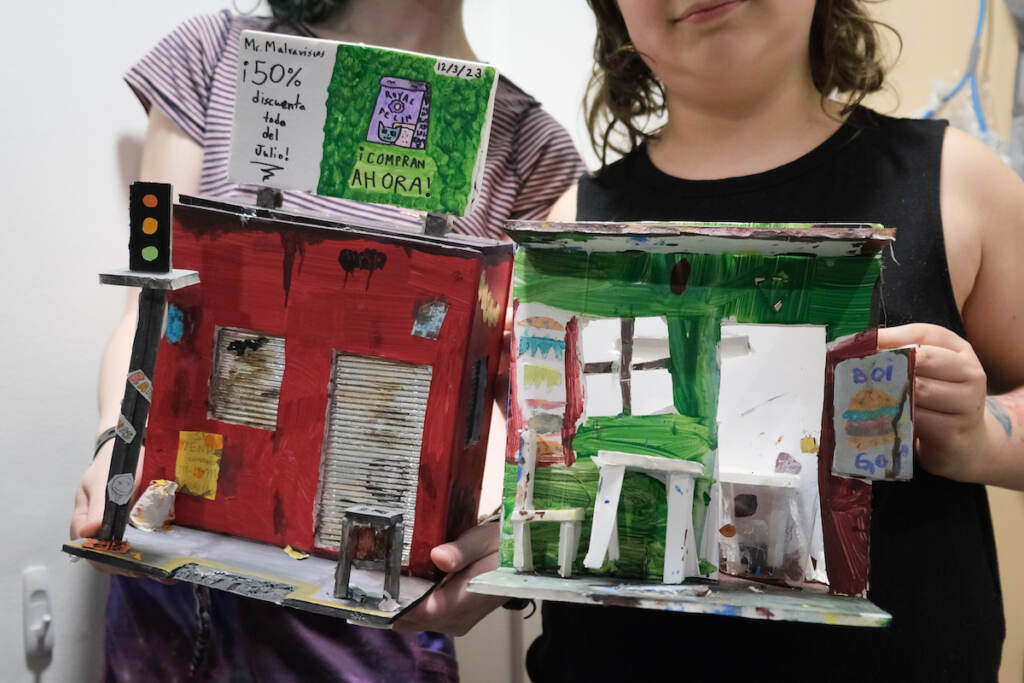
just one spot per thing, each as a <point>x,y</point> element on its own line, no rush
<point>175,324</point>
<point>865,415</point>
<point>534,346</point>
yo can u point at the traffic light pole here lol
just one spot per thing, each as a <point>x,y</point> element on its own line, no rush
<point>149,249</point>
<point>131,425</point>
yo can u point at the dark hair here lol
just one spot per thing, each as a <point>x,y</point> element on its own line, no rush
<point>845,54</point>
<point>303,11</point>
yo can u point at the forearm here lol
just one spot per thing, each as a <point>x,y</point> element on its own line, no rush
<point>114,364</point>
<point>1003,464</point>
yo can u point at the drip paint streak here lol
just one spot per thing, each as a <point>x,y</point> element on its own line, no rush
<point>291,246</point>
<point>573,390</point>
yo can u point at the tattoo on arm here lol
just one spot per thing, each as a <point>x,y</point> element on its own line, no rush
<point>995,406</point>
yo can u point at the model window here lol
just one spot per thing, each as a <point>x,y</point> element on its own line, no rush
<point>246,381</point>
<point>626,366</point>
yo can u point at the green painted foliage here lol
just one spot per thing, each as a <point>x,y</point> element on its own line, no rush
<point>457,118</point>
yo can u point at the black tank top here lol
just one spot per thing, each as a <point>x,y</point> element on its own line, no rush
<point>933,560</point>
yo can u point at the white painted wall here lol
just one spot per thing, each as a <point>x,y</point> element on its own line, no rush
<point>70,134</point>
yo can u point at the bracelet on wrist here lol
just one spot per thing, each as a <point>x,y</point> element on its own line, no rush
<point>101,440</point>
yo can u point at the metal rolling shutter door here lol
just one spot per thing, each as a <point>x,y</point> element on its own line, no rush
<point>372,446</point>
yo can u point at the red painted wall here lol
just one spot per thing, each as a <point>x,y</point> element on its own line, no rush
<point>286,280</point>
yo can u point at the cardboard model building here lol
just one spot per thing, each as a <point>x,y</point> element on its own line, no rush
<point>696,407</point>
<point>323,385</point>
<point>325,391</point>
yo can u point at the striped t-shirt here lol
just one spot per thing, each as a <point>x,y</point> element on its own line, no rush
<point>191,75</point>
<point>531,161</point>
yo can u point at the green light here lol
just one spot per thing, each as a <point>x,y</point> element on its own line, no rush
<point>150,253</point>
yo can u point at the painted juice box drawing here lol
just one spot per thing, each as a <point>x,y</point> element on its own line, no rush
<point>401,116</point>
<point>361,122</point>
<point>669,410</point>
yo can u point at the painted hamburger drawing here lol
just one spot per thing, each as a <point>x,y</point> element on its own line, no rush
<point>870,419</point>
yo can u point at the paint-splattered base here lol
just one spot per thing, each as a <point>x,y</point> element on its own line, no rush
<point>730,597</point>
<point>255,570</point>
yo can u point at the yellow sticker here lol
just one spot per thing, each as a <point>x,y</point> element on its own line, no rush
<point>808,444</point>
<point>198,464</point>
<point>295,554</point>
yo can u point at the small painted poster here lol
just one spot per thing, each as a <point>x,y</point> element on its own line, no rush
<point>872,416</point>
<point>198,465</point>
<point>361,122</point>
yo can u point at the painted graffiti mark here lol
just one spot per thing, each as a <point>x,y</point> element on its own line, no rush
<point>369,260</point>
<point>490,308</point>
<point>240,346</point>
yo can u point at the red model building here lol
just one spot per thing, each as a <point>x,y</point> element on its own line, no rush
<point>319,366</point>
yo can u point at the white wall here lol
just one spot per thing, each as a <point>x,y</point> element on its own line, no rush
<point>70,134</point>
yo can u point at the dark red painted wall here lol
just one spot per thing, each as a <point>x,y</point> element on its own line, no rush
<point>286,280</point>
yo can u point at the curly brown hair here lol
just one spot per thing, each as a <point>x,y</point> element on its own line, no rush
<point>845,51</point>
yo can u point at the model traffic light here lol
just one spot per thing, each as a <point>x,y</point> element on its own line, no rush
<point>149,243</point>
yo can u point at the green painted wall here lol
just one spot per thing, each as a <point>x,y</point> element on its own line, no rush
<point>750,288</point>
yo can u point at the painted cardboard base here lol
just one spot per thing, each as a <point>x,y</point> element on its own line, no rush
<point>729,597</point>
<point>256,570</point>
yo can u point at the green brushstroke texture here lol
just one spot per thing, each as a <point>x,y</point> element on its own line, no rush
<point>456,124</point>
<point>836,292</point>
<point>669,436</point>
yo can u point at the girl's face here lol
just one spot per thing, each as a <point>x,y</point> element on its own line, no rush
<point>721,50</point>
